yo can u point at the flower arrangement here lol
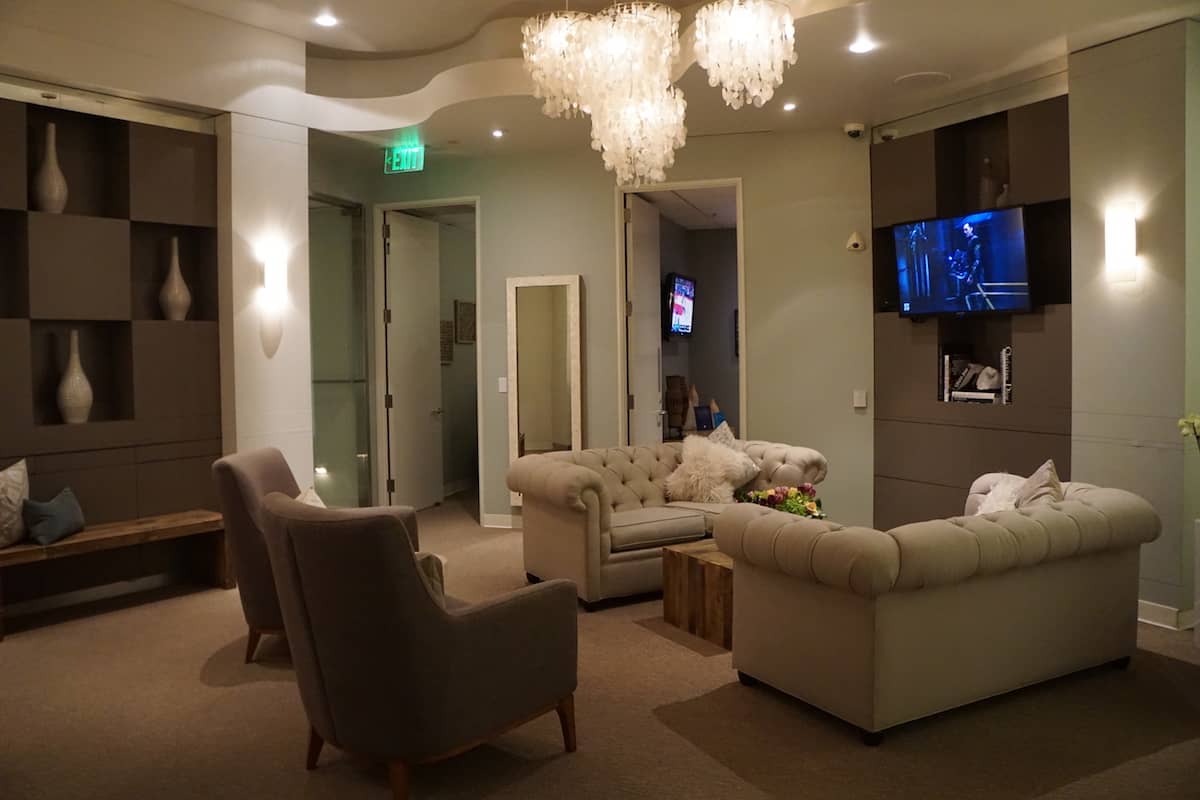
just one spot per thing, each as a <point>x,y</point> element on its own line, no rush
<point>799,500</point>
<point>1190,426</point>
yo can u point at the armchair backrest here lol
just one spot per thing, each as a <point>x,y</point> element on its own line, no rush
<point>369,641</point>
<point>243,480</point>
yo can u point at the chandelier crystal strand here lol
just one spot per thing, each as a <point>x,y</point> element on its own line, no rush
<point>638,140</point>
<point>745,45</point>
<point>637,115</point>
<point>553,49</point>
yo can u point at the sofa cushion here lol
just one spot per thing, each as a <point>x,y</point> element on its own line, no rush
<point>655,527</point>
<point>710,510</point>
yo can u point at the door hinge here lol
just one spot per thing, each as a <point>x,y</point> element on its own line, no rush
<point>387,401</point>
<point>629,308</point>
<point>391,485</point>
<point>628,216</point>
<point>387,231</point>
<point>631,403</point>
<point>387,316</point>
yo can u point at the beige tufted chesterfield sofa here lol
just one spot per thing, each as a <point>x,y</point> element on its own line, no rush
<point>882,628</point>
<point>601,517</point>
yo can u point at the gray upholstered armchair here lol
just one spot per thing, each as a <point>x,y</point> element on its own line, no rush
<point>243,480</point>
<point>385,669</point>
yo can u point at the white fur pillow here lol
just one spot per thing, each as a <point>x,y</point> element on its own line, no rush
<point>709,472</point>
<point>1003,496</point>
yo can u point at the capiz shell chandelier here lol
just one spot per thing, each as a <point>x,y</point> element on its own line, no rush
<point>638,139</point>
<point>553,49</point>
<point>745,45</point>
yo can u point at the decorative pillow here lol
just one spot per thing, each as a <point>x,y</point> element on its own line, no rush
<point>1042,486</point>
<point>14,491</point>
<point>1002,497</point>
<point>310,498</point>
<point>723,435</point>
<point>57,519</point>
<point>708,472</point>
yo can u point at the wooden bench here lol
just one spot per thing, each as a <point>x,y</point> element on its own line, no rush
<point>114,535</point>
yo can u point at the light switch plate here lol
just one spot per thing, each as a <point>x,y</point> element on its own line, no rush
<point>860,398</point>
<point>502,385</point>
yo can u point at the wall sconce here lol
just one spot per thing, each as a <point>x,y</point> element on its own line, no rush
<point>1120,242</point>
<point>271,252</point>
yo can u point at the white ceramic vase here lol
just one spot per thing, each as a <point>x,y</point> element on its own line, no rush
<point>50,185</point>
<point>987,186</point>
<point>175,298</point>
<point>74,390</point>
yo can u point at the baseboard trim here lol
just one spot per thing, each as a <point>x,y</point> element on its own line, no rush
<point>497,521</point>
<point>1166,616</point>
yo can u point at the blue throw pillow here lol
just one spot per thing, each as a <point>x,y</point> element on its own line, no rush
<point>57,519</point>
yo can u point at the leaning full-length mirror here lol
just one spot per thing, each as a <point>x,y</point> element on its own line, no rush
<point>544,366</point>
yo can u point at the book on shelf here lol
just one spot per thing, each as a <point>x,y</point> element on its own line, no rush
<point>974,397</point>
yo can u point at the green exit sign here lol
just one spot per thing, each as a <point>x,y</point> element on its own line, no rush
<point>406,158</point>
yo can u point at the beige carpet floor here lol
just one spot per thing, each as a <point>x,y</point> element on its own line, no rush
<point>152,700</point>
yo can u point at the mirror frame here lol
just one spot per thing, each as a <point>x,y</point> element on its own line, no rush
<point>574,357</point>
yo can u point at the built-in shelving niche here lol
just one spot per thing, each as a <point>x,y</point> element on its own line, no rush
<point>106,355</point>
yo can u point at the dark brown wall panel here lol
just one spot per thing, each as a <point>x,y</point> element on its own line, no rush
<point>1040,150</point>
<point>903,181</point>
<point>14,269</point>
<point>172,176</point>
<point>899,502</point>
<point>177,377</point>
<point>16,391</point>
<point>105,482</point>
<point>952,455</point>
<point>78,267</point>
<point>13,147</point>
<point>179,485</point>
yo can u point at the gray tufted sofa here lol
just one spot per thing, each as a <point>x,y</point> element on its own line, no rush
<point>880,628</point>
<point>601,517</point>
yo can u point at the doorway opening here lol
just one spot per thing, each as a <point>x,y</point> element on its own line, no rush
<point>682,271</point>
<point>338,308</point>
<point>430,354</point>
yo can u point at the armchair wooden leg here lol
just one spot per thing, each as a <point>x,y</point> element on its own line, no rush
<point>398,776</point>
<point>566,719</point>
<point>315,743</point>
<point>252,644</point>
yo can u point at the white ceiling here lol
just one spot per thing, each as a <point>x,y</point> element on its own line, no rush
<point>384,26</point>
<point>713,208</point>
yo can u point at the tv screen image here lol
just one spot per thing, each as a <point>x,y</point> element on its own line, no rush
<point>963,265</point>
<point>681,304</point>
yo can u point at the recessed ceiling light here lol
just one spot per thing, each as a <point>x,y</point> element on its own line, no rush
<point>498,133</point>
<point>863,44</point>
<point>326,20</point>
<point>789,106</point>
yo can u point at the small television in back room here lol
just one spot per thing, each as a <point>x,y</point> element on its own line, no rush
<point>974,264</point>
<point>680,294</point>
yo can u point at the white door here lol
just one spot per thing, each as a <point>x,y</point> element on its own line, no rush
<point>643,327</point>
<point>414,372</point>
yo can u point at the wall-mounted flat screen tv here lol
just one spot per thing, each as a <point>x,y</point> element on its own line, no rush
<point>681,305</point>
<point>963,265</point>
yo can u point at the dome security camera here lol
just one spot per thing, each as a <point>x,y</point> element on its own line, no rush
<point>854,130</point>
<point>889,134</point>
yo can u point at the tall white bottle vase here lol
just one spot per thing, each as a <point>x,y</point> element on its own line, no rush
<point>175,297</point>
<point>50,185</point>
<point>74,390</point>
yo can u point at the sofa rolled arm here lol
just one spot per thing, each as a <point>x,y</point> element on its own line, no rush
<point>559,483</point>
<point>860,560</point>
<point>785,465</point>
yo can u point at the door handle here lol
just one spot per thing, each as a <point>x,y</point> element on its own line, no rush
<point>437,412</point>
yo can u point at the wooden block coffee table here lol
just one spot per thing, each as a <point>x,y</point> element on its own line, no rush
<point>698,591</point>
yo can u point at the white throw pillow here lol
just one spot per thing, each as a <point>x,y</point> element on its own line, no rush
<point>310,498</point>
<point>1003,496</point>
<point>14,491</point>
<point>708,472</point>
<point>723,435</point>
<point>1043,486</point>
